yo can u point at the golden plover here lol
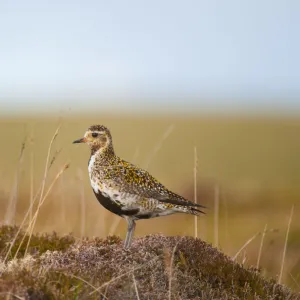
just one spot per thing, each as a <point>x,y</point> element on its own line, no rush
<point>125,189</point>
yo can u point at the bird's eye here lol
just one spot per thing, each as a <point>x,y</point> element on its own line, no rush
<point>94,134</point>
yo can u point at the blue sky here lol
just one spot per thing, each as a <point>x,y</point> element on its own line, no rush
<point>205,54</point>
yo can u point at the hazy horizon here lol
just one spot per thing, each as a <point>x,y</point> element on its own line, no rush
<point>184,56</point>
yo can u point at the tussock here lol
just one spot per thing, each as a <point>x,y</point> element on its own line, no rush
<point>96,268</point>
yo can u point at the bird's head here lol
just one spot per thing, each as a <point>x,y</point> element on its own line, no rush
<point>98,137</point>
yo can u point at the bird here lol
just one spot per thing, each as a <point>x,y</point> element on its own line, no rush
<point>125,189</point>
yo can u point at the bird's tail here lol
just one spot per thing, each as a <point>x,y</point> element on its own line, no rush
<point>190,210</point>
<point>195,211</point>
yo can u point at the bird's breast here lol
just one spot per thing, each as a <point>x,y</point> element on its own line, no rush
<point>91,165</point>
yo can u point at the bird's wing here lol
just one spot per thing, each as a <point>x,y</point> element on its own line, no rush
<point>136,181</point>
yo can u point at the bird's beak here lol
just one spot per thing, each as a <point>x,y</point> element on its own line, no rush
<point>82,140</point>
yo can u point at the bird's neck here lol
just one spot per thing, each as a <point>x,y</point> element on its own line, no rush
<point>103,156</point>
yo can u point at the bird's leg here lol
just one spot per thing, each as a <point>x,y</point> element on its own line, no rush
<point>130,232</point>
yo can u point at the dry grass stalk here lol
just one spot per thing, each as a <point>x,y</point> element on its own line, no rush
<point>11,209</point>
<point>18,232</point>
<point>22,224</point>
<point>47,165</point>
<point>32,224</point>
<point>135,287</point>
<point>122,275</point>
<point>167,259</point>
<point>32,202</point>
<point>11,296</point>
<point>62,209</point>
<point>227,236</point>
<point>244,258</point>
<point>26,216</point>
<point>31,176</point>
<point>86,282</point>
<point>56,153</point>
<point>295,281</point>
<point>261,246</point>
<point>114,225</point>
<point>216,216</point>
<point>105,291</point>
<point>136,154</point>
<point>250,240</point>
<point>33,221</point>
<point>285,245</point>
<point>245,245</point>
<point>195,190</point>
<point>82,202</point>
<point>167,132</point>
<point>203,225</point>
<point>171,271</point>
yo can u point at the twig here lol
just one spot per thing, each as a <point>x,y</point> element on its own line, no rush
<point>285,245</point>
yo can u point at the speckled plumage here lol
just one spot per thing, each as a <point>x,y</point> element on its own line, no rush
<point>125,189</point>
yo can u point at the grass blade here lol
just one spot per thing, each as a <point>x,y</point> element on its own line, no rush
<point>285,245</point>
<point>195,190</point>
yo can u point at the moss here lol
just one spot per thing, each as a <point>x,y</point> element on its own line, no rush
<point>89,269</point>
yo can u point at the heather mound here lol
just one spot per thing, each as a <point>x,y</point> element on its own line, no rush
<point>156,267</point>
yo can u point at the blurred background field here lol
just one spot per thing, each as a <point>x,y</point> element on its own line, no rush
<point>221,77</point>
<point>252,160</point>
